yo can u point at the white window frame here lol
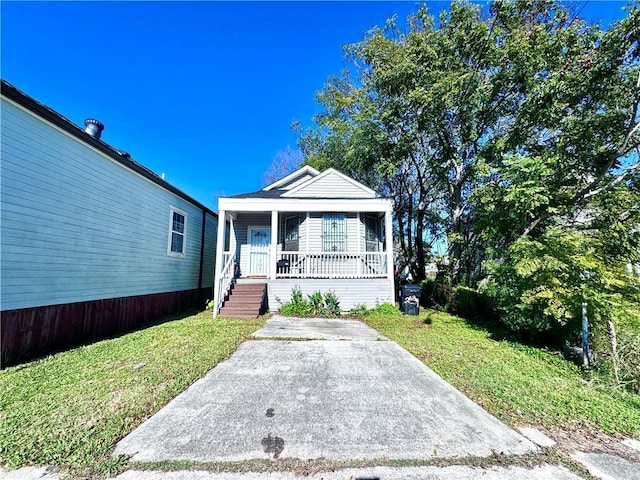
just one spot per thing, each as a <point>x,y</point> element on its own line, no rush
<point>171,253</point>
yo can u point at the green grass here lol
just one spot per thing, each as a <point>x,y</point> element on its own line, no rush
<point>70,409</point>
<point>519,384</point>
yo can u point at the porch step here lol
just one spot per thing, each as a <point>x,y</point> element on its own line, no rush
<point>245,300</point>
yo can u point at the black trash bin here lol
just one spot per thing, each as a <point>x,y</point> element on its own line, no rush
<point>410,299</point>
<point>283,266</point>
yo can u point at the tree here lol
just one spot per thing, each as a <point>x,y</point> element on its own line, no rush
<point>285,162</point>
<point>509,132</point>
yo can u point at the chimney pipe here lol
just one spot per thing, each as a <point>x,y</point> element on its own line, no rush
<point>93,127</point>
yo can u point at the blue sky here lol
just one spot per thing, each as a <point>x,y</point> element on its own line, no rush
<point>204,92</point>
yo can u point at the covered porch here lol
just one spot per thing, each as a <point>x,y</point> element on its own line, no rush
<point>313,245</point>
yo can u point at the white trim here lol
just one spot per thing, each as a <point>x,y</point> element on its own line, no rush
<point>219,264</point>
<point>273,246</point>
<point>171,253</point>
<point>306,170</point>
<point>330,171</point>
<point>305,204</point>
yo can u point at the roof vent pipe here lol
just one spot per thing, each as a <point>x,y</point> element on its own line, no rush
<point>93,127</point>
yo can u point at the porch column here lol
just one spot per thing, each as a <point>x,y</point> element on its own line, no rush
<point>222,224</point>
<point>388,233</point>
<point>273,248</point>
<point>233,245</point>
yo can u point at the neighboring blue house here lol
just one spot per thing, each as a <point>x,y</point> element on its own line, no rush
<point>91,243</point>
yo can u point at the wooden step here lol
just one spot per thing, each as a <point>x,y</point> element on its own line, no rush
<point>244,300</point>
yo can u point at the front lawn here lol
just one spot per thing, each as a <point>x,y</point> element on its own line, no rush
<point>70,409</point>
<point>519,384</point>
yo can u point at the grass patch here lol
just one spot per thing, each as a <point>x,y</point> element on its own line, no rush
<point>70,409</point>
<point>519,384</point>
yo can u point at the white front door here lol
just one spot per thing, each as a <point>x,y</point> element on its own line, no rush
<point>259,244</point>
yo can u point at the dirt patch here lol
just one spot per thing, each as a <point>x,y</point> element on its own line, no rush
<point>572,439</point>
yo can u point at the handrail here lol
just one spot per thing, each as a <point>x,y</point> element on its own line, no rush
<point>226,279</point>
<point>302,264</point>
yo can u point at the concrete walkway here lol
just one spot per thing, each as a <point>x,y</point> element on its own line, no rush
<point>355,395</point>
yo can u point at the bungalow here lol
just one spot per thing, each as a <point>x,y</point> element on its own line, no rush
<point>92,243</point>
<point>311,231</point>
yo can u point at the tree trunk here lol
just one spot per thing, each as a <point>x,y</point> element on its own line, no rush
<point>614,351</point>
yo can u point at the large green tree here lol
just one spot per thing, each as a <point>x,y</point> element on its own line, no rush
<point>507,132</point>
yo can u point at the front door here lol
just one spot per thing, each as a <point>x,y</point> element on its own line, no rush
<point>259,244</point>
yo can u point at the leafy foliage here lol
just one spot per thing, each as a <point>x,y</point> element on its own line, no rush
<point>511,135</point>
<point>315,304</point>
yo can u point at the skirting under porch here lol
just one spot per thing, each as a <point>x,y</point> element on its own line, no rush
<point>350,292</point>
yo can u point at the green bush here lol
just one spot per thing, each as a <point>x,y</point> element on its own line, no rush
<point>297,306</point>
<point>436,293</point>
<point>331,304</point>
<point>471,304</point>
<point>315,304</point>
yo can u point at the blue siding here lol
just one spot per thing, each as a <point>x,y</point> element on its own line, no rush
<point>78,226</point>
<point>209,263</point>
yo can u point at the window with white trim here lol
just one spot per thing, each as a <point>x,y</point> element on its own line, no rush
<point>291,233</point>
<point>334,232</point>
<point>372,233</point>
<point>177,232</point>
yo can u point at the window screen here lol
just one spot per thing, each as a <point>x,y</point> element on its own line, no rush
<point>177,224</point>
<point>334,233</point>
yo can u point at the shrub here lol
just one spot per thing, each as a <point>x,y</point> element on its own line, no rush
<point>297,306</point>
<point>471,304</point>
<point>436,293</point>
<point>316,304</point>
<point>331,304</point>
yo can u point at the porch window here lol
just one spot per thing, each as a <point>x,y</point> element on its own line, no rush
<point>334,233</point>
<point>177,232</point>
<point>291,234</point>
<point>371,233</point>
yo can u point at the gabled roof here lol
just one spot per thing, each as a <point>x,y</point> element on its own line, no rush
<point>307,182</point>
<point>294,177</point>
<point>330,184</point>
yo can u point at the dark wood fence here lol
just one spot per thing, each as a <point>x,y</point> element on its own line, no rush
<point>30,333</point>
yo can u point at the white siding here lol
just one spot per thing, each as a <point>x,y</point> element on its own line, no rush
<point>331,186</point>
<point>350,292</point>
<point>78,226</point>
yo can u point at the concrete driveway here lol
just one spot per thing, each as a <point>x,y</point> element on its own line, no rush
<point>320,388</point>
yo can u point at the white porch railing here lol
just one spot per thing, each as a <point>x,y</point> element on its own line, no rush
<point>331,265</point>
<point>226,278</point>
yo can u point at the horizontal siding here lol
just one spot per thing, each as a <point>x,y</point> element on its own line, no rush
<point>210,241</point>
<point>350,292</point>
<point>331,186</point>
<point>78,226</point>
